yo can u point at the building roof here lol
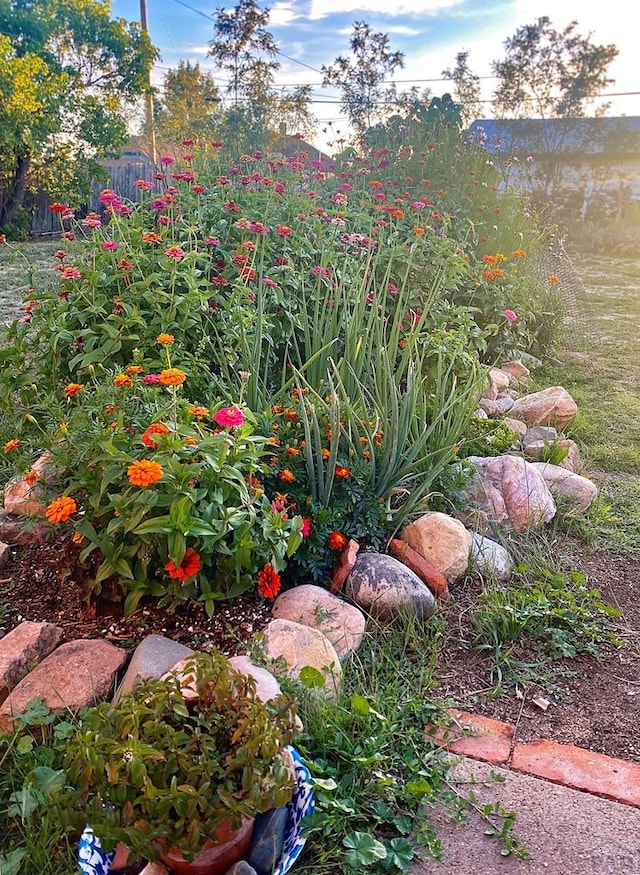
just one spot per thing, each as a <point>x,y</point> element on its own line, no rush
<point>572,136</point>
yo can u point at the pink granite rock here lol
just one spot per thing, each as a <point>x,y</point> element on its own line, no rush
<point>76,674</point>
<point>519,373</point>
<point>301,646</point>
<point>24,500</point>
<point>22,649</point>
<point>441,540</point>
<point>342,623</point>
<point>553,406</point>
<point>574,491</point>
<point>510,492</point>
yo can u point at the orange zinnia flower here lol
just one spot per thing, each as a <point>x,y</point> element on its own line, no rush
<point>122,380</point>
<point>189,566</point>
<point>342,473</point>
<point>31,477</point>
<point>13,444</point>
<point>337,540</point>
<point>154,428</point>
<point>72,389</point>
<point>172,377</point>
<point>60,509</point>
<point>151,237</point>
<point>198,411</point>
<point>144,472</point>
<point>553,279</point>
<point>134,369</point>
<point>165,338</point>
<point>268,582</point>
<point>287,476</point>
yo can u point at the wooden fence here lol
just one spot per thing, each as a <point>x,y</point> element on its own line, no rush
<point>122,175</point>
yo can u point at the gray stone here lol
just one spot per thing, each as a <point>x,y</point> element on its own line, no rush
<point>152,658</point>
<point>386,588</point>
<point>490,558</point>
<point>267,840</point>
<point>496,408</point>
<point>535,434</point>
<point>479,413</point>
<point>342,623</point>
<point>241,868</point>
<point>303,647</point>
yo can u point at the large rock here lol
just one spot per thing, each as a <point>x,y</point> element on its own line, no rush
<point>442,540</point>
<point>342,623</point>
<point>496,408</point>
<point>489,558</point>
<point>24,500</point>
<point>300,647</point>
<point>77,674</point>
<point>386,588</point>
<point>152,658</point>
<point>22,648</point>
<point>575,492</point>
<point>519,373</point>
<point>553,406</point>
<point>509,492</point>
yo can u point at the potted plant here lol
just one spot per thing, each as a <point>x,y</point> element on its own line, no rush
<point>175,777</point>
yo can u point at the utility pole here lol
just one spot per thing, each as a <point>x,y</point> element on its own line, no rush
<point>150,119</point>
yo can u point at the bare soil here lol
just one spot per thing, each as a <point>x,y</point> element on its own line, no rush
<point>592,703</point>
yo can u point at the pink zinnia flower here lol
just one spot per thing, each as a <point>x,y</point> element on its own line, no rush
<point>151,380</point>
<point>174,252</point>
<point>229,417</point>
<point>510,315</point>
<point>109,245</point>
<point>166,160</point>
<point>212,241</point>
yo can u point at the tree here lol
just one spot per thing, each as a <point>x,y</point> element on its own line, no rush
<point>67,70</point>
<point>551,74</point>
<point>245,50</point>
<point>189,106</point>
<point>361,79</point>
<point>467,88</point>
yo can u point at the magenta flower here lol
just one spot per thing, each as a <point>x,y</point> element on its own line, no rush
<point>151,380</point>
<point>166,160</point>
<point>229,417</point>
<point>510,315</point>
<point>174,252</point>
<point>109,245</point>
<point>212,241</point>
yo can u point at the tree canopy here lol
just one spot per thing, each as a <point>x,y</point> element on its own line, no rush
<point>188,105</point>
<point>67,73</point>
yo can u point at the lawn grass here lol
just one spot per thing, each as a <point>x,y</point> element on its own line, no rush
<point>24,266</point>
<point>599,364</point>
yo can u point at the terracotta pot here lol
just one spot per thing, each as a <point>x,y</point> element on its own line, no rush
<point>216,856</point>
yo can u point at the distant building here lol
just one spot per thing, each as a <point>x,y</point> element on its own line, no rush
<point>583,164</point>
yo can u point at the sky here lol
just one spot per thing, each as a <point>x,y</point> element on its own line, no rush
<point>430,33</point>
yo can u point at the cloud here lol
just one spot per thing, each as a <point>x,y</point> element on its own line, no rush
<point>322,8</point>
<point>402,30</point>
<point>281,14</point>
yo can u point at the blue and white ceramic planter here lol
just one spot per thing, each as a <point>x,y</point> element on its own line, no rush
<point>94,861</point>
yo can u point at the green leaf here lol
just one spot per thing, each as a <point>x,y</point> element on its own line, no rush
<point>11,863</point>
<point>49,781</point>
<point>364,850</point>
<point>359,705</point>
<point>312,678</point>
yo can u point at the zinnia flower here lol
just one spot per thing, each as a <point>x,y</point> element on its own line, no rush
<point>229,417</point>
<point>172,377</point>
<point>144,472</point>
<point>154,428</point>
<point>165,338</point>
<point>174,252</point>
<point>287,476</point>
<point>31,477</point>
<point>268,582</point>
<point>337,540</point>
<point>13,444</point>
<point>342,473</point>
<point>198,411</point>
<point>151,380</point>
<point>553,279</point>
<point>72,389</point>
<point>189,566</point>
<point>510,315</point>
<point>60,509</point>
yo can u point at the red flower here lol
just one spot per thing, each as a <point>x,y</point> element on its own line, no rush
<point>342,473</point>
<point>189,566</point>
<point>307,523</point>
<point>268,582</point>
<point>58,208</point>
<point>229,417</point>
<point>337,540</point>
